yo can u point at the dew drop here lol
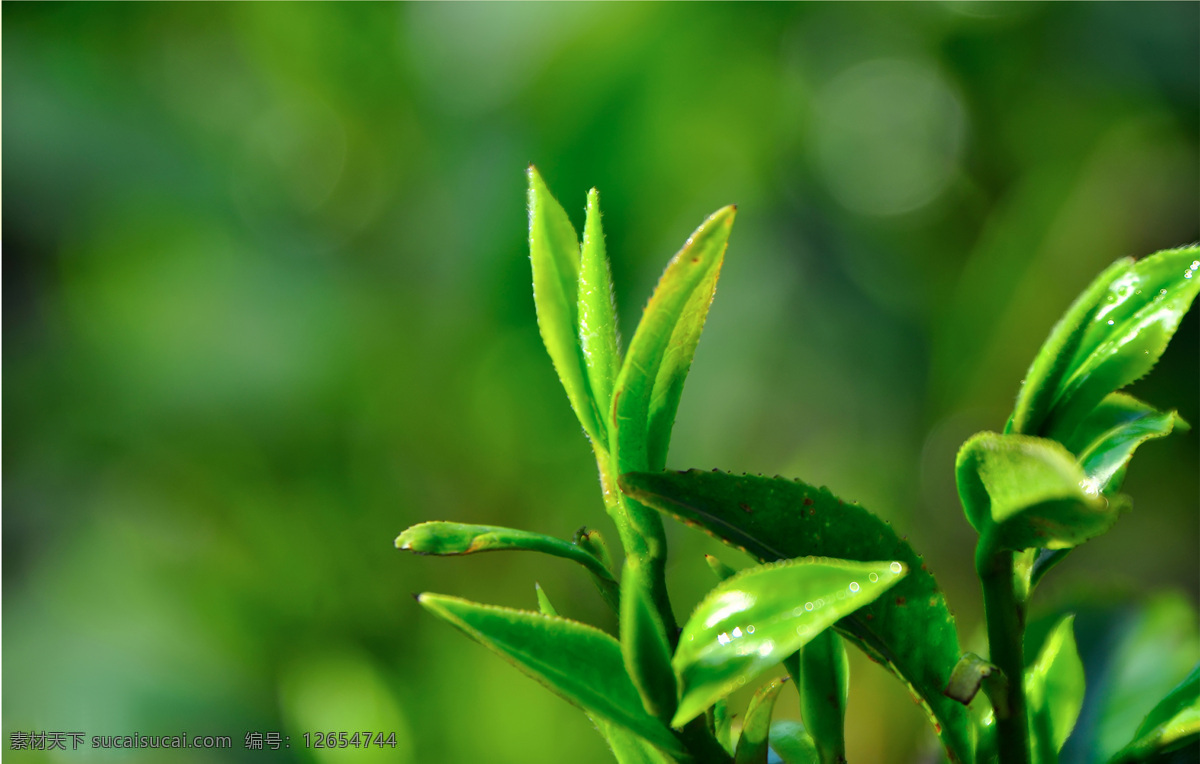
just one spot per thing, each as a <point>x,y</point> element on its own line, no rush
<point>737,632</point>
<point>808,606</point>
<point>1111,322</point>
<point>896,567</point>
<point>750,629</point>
<point>797,610</point>
<point>722,639</point>
<point>853,586</point>
<point>874,577</point>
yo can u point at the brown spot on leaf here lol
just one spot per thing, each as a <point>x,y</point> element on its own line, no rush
<point>745,507</point>
<point>807,502</point>
<point>900,601</point>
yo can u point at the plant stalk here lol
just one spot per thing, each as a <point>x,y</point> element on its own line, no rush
<point>1006,636</point>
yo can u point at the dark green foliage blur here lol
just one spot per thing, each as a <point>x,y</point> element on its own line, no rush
<point>267,303</point>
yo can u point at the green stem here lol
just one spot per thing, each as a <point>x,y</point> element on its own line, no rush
<point>1006,636</point>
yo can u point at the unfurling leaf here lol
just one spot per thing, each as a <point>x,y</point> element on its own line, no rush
<point>751,622</point>
<point>1021,492</point>
<point>644,644</point>
<point>650,384</point>
<point>910,631</point>
<point>752,745</point>
<point>1054,692</point>
<point>578,662</point>
<point>1173,724</point>
<point>824,685</point>
<point>443,538</point>
<point>554,253</point>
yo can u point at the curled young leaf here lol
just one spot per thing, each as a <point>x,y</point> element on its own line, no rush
<point>554,253</point>
<point>1021,492</point>
<point>1054,692</point>
<point>443,538</point>
<point>580,663</point>
<point>910,631</point>
<point>752,746</point>
<point>752,621</point>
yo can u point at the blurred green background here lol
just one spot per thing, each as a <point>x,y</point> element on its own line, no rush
<point>267,303</point>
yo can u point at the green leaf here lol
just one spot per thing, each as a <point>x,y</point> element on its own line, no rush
<point>628,748</point>
<point>1126,334</point>
<point>751,622</point>
<point>443,538</point>
<point>722,724</point>
<point>579,663</point>
<point>719,569</point>
<point>1052,362</point>
<point>1105,441</point>
<point>1054,692</point>
<point>793,744</point>
<point>545,607</point>
<point>554,253</point>
<point>597,313</point>
<point>1021,492</point>
<point>824,685</point>
<point>650,383</point>
<point>752,745</point>
<point>644,644</point>
<point>910,631</point>
<point>1170,725</point>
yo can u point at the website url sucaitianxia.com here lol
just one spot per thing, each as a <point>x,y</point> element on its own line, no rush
<point>43,740</point>
<point>73,741</point>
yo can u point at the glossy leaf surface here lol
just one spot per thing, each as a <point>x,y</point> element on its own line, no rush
<point>1126,334</point>
<point>1105,441</point>
<point>644,644</point>
<point>1021,492</point>
<point>1054,692</point>
<point>824,685</point>
<point>1170,725</point>
<point>650,384</point>
<point>752,621</point>
<point>792,743</point>
<point>554,253</point>
<point>1053,360</point>
<point>752,744</point>
<point>910,631</point>
<point>580,663</point>
<point>597,314</point>
<point>443,538</point>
